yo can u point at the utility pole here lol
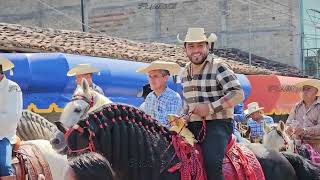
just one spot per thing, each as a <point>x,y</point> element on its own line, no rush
<point>250,35</point>
<point>302,37</point>
<point>82,17</point>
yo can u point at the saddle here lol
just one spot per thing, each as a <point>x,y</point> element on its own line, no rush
<point>256,139</point>
<point>239,162</point>
<point>29,163</point>
<point>314,142</point>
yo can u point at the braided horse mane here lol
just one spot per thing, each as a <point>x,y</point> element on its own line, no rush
<point>136,145</point>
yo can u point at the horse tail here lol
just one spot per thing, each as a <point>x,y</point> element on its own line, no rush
<point>303,167</point>
<point>33,126</point>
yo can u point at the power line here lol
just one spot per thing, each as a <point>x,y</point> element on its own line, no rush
<point>280,4</point>
<point>278,11</point>
<point>71,18</point>
<point>259,5</point>
<point>227,12</point>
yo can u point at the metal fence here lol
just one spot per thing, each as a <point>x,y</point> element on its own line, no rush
<point>311,62</point>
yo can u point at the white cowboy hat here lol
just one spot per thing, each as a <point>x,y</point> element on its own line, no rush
<point>310,82</point>
<point>6,64</point>
<point>197,35</point>
<point>82,69</point>
<point>173,68</point>
<point>252,107</point>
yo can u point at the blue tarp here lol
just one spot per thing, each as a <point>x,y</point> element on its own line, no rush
<point>42,78</point>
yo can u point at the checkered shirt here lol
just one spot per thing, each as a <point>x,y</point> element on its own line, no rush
<point>216,85</point>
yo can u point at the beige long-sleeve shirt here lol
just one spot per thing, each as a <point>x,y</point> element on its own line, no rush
<point>306,118</point>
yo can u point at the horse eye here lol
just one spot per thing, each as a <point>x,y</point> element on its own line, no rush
<point>77,110</point>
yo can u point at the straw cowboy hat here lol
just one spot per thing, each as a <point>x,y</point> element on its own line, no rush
<point>82,69</point>
<point>5,64</point>
<point>310,82</point>
<point>252,107</point>
<point>197,35</point>
<point>173,68</point>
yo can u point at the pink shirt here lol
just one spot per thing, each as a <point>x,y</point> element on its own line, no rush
<point>306,118</point>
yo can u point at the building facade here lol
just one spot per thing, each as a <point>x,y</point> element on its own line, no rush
<point>267,28</point>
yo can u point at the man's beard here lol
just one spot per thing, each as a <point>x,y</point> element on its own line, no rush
<point>198,60</point>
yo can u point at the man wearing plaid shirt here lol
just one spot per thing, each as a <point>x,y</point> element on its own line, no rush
<point>211,90</point>
<point>256,122</point>
<point>162,100</point>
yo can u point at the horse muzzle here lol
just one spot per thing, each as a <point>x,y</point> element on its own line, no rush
<point>58,143</point>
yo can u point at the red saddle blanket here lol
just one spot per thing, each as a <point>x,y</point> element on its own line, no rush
<point>239,162</point>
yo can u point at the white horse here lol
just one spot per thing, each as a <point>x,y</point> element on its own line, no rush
<point>35,129</point>
<point>276,138</point>
<point>57,162</point>
<point>84,101</point>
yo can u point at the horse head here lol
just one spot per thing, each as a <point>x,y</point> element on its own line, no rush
<point>84,101</point>
<point>78,138</point>
<point>276,138</point>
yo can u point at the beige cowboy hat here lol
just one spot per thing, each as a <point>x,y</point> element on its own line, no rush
<point>173,68</point>
<point>310,82</point>
<point>252,107</point>
<point>197,35</point>
<point>6,64</point>
<point>82,69</point>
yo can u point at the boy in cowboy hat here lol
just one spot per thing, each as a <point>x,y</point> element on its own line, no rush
<point>304,118</point>
<point>256,122</point>
<point>162,100</point>
<point>85,71</point>
<point>10,114</point>
<point>211,90</point>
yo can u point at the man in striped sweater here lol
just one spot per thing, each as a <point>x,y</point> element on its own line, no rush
<point>210,90</point>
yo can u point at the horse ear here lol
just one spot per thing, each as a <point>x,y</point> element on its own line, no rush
<point>85,86</point>
<point>281,126</point>
<point>60,126</point>
<point>266,127</point>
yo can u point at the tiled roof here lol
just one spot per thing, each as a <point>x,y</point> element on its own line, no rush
<point>33,39</point>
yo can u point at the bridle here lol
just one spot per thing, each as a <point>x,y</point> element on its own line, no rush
<point>91,147</point>
<point>89,101</point>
